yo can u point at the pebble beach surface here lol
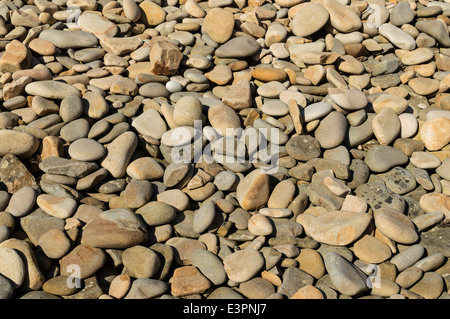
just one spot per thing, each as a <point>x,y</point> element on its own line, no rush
<point>313,137</point>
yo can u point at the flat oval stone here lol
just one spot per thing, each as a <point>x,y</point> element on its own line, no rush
<point>97,25</point>
<point>158,127</point>
<point>395,102</point>
<point>349,99</point>
<point>253,190</point>
<point>430,286</point>
<point>316,111</point>
<point>116,228</point>
<point>243,265</point>
<point>223,117</point>
<point>219,24</point>
<point>260,225</point>
<point>140,262</point>
<point>145,168</point>
<point>12,266</point>
<point>386,126</point>
<point>371,250</point>
<point>69,39</point>
<point>51,89</point>
<point>86,149</point>
<point>435,133</point>
<point>395,226</point>
<point>275,108</point>
<point>22,201</point>
<point>147,288</point>
<point>204,217</point>
<point>210,265</point>
<point>417,56</point>
<point>240,47</point>
<point>381,158</point>
<point>341,17</point>
<point>303,147</point>
<point>397,37</point>
<point>60,207</point>
<point>338,227</point>
<point>17,143</point>
<point>399,180</point>
<point>332,130</point>
<point>309,19</point>
<point>408,257</point>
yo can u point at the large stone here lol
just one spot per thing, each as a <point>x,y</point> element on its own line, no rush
<point>116,228</point>
<point>395,226</point>
<point>151,13</point>
<point>16,57</point>
<point>51,89</point>
<point>309,19</point>
<point>435,133</point>
<point>240,47</point>
<point>165,57</point>
<point>20,144</point>
<point>119,153</point>
<point>381,158</point>
<point>69,39</point>
<point>243,265</point>
<point>345,276</point>
<point>15,175</point>
<point>337,228</point>
<point>219,24</point>
<point>341,17</point>
<point>97,25</point>
<point>253,191</point>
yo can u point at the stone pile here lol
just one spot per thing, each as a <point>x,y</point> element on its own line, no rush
<point>349,99</point>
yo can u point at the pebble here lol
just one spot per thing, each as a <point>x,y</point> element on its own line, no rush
<point>347,279</point>
<point>12,266</point>
<point>253,191</point>
<point>86,149</point>
<point>356,97</point>
<point>343,227</point>
<point>395,226</point>
<point>309,19</point>
<point>381,158</point>
<point>116,228</point>
<point>140,262</point>
<point>22,201</point>
<point>20,144</point>
<point>51,89</point>
<point>243,265</point>
<point>210,266</point>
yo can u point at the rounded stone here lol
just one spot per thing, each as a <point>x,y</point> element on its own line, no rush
<point>204,217</point>
<point>55,243</point>
<point>260,225</point>
<point>243,265</point>
<point>332,130</point>
<point>12,266</point>
<point>309,19</point>
<point>338,227</point>
<point>346,278</point>
<point>253,191</point>
<point>303,147</point>
<point>86,149</point>
<point>140,262</point>
<point>187,110</point>
<point>22,201</point>
<point>371,250</point>
<point>157,213</point>
<point>20,144</point>
<point>395,226</point>
<point>219,24</point>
